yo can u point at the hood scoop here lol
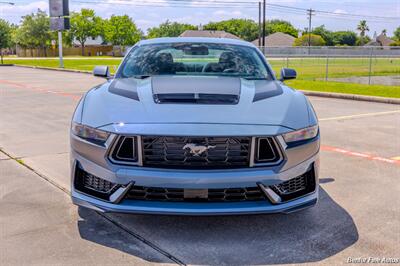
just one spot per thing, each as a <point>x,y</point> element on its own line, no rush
<point>195,90</point>
<point>196,98</point>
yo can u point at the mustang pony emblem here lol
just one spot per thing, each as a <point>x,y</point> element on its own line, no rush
<point>197,150</point>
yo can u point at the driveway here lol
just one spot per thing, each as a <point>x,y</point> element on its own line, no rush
<point>357,216</point>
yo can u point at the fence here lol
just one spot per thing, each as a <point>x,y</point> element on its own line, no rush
<point>353,64</point>
<point>67,51</point>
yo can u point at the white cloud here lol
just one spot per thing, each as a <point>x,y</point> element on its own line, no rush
<point>340,11</point>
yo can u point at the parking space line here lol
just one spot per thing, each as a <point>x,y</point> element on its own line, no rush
<point>360,155</point>
<point>359,115</point>
<point>39,89</point>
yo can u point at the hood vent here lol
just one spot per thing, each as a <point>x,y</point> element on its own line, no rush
<point>196,98</point>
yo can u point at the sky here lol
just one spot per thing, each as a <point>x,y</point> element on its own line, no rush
<point>195,12</point>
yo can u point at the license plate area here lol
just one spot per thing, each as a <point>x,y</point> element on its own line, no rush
<point>194,194</point>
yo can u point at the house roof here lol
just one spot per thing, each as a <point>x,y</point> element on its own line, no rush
<point>381,40</point>
<point>384,40</point>
<point>277,39</point>
<point>194,40</point>
<point>208,34</point>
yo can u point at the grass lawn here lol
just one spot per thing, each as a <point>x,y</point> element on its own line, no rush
<point>315,68</point>
<point>310,71</point>
<point>350,88</point>
<point>69,62</point>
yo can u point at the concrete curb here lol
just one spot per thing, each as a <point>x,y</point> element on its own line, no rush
<point>56,69</point>
<point>352,97</point>
<point>308,93</point>
<point>6,65</point>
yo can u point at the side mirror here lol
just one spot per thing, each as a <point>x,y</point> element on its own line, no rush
<point>101,71</point>
<point>288,73</point>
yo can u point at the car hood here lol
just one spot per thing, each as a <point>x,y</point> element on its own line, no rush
<point>223,102</point>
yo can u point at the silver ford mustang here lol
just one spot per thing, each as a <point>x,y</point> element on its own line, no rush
<point>194,126</point>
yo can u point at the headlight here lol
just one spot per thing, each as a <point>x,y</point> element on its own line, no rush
<point>302,134</point>
<point>90,134</point>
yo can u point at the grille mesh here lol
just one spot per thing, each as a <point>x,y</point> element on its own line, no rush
<point>93,185</point>
<point>292,185</point>
<point>297,186</point>
<point>98,184</point>
<point>179,152</point>
<point>178,194</point>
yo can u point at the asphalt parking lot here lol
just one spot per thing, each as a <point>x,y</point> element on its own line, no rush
<point>358,214</point>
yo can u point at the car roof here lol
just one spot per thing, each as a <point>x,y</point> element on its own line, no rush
<point>195,40</point>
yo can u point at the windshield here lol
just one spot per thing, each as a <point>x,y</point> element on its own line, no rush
<point>200,59</point>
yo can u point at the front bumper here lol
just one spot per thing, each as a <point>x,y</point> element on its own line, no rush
<point>199,179</point>
<point>147,207</point>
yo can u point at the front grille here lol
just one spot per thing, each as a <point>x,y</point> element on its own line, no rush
<point>196,152</point>
<point>208,195</point>
<point>93,185</point>
<point>296,187</point>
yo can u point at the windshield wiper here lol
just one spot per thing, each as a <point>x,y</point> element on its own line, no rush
<point>141,76</point>
<point>256,78</point>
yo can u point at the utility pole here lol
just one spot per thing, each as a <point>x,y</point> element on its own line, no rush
<point>263,30</point>
<point>259,23</point>
<point>310,13</point>
<point>60,51</point>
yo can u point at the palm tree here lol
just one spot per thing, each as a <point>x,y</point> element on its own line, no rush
<point>362,27</point>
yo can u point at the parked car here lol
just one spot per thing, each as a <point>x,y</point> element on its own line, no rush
<point>194,126</point>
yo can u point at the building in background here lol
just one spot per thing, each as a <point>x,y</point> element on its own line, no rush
<point>208,34</point>
<point>277,39</point>
<point>381,40</point>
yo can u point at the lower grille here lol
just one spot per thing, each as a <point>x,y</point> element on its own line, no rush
<point>93,185</point>
<point>296,187</point>
<point>292,186</point>
<point>196,152</point>
<point>211,195</point>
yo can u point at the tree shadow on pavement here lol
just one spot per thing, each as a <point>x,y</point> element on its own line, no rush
<point>306,236</point>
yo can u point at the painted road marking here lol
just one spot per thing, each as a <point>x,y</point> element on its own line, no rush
<point>41,90</point>
<point>359,115</point>
<point>361,155</point>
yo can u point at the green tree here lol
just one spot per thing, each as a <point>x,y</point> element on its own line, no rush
<point>169,29</point>
<point>363,40</point>
<point>84,25</point>
<point>34,31</point>
<point>325,34</point>
<point>121,30</point>
<point>316,40</point>
<point>5,36</point>
<point>396,34</point>
<point>347,38</point>
<point>362,27</point>
<point>246,29</point>
<point>277,25</point>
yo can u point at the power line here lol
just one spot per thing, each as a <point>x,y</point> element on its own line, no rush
<point>228,3</point>
<point>276,8</point>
